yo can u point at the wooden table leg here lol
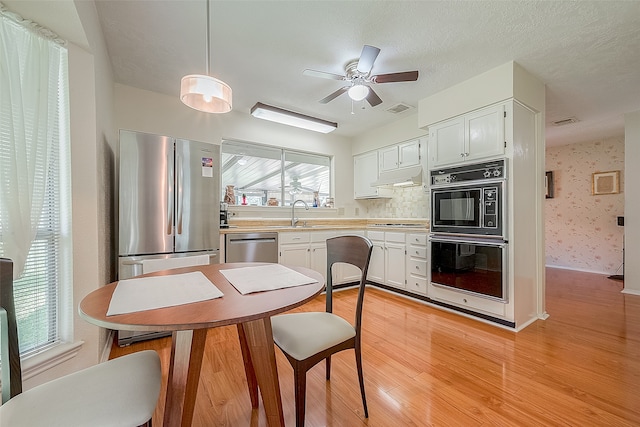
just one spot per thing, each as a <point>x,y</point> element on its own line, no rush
<point>260,342</point>
<point>252,382</point>
<point>187,350</point>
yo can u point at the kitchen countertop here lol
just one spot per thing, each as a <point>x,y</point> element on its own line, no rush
<point>282,225</point>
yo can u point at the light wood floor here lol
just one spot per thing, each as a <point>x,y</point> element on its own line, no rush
<point>423,366</point>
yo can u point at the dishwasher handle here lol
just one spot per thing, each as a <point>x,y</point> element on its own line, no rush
<point>252,239</point>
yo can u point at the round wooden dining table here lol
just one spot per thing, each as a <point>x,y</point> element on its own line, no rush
<point>189,323</point>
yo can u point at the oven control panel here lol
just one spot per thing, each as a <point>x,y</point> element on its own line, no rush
<point>477,172</point>
<point>490,198</point>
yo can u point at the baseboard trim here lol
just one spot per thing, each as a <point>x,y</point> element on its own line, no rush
<point>562,267</point>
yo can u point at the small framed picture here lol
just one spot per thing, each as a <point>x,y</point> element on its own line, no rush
<point>605,183</point>
<point>548,185</point>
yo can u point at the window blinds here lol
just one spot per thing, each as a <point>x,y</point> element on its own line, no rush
<point>35,166</point>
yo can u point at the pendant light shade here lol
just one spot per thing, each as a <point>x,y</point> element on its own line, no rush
<point>203,92</point>
<point>206,93</point>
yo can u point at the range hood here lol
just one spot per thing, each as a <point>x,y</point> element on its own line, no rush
<point>404,177</point>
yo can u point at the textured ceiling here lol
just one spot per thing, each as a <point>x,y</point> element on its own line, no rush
<point>587,53</point>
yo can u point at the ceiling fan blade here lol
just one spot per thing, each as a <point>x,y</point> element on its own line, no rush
<point>367,58</point>
<point>372,98</point>
<point>334,95</point>
<point>323,75</point>
<point>407,76</point>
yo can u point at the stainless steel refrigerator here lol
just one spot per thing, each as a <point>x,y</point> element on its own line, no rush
<point>168,207</point>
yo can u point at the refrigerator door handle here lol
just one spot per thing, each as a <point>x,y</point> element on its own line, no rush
<point>179,190</point>
<point>169,186</point>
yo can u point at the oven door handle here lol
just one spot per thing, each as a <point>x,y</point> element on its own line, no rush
<point>468,241</point>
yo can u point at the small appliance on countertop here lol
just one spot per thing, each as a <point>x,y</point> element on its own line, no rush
<point>224,215</point>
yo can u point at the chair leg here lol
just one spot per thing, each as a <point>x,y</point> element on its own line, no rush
<point>328,368</point>
<point>300,394</point>
<point>361,379</point>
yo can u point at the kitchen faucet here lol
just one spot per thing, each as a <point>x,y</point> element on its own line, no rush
<point>294,220</point>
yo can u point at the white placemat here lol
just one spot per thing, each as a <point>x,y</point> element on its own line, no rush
<point>148,293</point>
<point>265,278</point>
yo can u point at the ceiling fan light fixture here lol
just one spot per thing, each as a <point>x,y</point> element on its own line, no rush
<point>203,92</point>
<point>358,92</point>
<point>286,117</point>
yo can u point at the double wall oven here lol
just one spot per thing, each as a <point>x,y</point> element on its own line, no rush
<point>468,240</point>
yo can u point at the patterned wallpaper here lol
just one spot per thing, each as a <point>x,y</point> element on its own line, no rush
<point>581,229</point>
<point>408,202</point>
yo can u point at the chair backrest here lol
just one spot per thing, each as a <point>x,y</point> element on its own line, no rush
<point>354,250</point>
<point>10,352</point>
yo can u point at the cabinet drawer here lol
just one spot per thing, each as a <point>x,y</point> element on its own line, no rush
<point>394,237</point>
<point>375,235</point>
<point>417,252</point>
<point>417,267</point>
<point>321,236</point>
<point>470,302</point>
<point>417,239</point>
<point>293,237</point>
<point>417,284</point>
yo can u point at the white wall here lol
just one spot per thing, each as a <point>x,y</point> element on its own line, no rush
<point>151,112</point>
<point>632,204</point>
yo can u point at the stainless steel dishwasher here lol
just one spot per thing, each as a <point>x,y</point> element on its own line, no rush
<point>251,247</point>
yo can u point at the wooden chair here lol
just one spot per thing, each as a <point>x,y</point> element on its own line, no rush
<point>307,338</point>
<point>121,392</point>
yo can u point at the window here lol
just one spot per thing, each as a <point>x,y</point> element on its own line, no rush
<point>35,201</point>
<point>269,176</point>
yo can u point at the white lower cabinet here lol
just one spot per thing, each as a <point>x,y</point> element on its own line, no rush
<point>387,264</point>
<point>294,248</point>
<point>376,263</point>
<point>309,249</point>
<point>394,259</point>
<point>417,265</point>
<point>398,259</point>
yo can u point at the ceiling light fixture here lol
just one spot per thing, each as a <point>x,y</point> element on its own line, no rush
<point>203,92</point>
<point>358,92</point>
<point>279,115</point>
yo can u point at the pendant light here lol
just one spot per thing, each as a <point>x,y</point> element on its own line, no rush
<point>203,92</point>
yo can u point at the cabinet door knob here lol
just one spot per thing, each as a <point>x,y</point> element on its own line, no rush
<point>461,154</point>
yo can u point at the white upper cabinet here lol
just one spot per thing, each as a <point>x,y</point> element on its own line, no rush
<point>409,153</point>
<point>365,171</point>
<point>472,136</point>
<point>401,155</point>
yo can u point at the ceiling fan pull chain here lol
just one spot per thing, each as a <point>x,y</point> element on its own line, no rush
<point>352,107</point>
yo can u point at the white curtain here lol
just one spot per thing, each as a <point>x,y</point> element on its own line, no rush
<point>29,64</point>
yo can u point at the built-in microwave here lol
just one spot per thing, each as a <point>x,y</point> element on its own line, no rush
<point>469,200</point>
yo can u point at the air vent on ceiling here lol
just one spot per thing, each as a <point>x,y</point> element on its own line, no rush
<point>566,121</point>
<point>399,108</point>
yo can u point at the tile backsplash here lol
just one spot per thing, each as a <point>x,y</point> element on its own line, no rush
<point>408,202</point>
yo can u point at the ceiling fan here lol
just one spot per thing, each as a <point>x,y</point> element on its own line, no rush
<point>358,75</point>
<point>295,187</point>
